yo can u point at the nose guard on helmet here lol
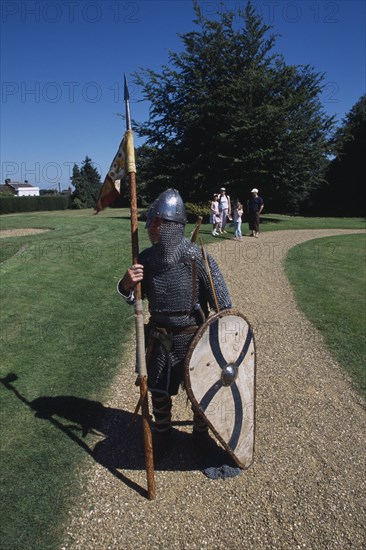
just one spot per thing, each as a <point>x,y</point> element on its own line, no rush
<point>168,206</point>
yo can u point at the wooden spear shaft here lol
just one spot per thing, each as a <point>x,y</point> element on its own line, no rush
<point>140,336</point>
<point>196,229</point>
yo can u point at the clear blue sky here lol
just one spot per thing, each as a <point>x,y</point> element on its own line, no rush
<point>62,65</point>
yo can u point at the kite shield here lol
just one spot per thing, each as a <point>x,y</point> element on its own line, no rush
<point>220,381</point>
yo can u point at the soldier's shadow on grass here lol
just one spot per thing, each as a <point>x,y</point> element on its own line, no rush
<point>106,434</point>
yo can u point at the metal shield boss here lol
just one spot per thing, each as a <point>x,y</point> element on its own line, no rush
<point>220,381</point>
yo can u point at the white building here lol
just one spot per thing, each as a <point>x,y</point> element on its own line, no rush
<point>22,189</point>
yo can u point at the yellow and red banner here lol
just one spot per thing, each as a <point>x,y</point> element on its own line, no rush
<point>123,163</point>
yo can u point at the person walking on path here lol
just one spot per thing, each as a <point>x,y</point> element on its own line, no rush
<point>255,207</point>
<point>238,213</point>
<point>215,215</point>
<point>224,208</point>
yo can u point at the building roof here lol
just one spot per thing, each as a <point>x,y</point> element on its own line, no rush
<point>16,185</point>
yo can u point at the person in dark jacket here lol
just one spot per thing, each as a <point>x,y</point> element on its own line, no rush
<point>255,207</point>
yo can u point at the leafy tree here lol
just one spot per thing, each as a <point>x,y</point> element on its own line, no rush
<point>87,183</point>
<point>229,111</point>
<point>6,192</point>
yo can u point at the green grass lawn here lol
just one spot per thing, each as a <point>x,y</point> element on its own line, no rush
<point>63,330</point>
<point>330,288</point>
<point>274,222</point>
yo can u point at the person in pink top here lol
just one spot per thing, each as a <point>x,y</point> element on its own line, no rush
<point>238,213</point>
<point>215,216</point>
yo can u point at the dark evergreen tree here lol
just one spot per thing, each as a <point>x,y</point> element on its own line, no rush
<point>346,173</point>
<point>227,110</point>
<point>343,192</point>
<point>87,183</point>
<point>147,188</point>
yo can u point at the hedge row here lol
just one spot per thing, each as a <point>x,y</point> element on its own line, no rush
<point>9,205</point>
<point>194,210</point>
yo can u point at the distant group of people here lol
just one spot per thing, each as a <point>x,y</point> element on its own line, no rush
<point>221,212</point>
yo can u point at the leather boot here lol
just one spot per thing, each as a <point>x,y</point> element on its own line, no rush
<point>162,411</point>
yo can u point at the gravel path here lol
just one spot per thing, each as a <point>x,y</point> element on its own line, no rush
<point>306,488</point>
<point>21,232</point>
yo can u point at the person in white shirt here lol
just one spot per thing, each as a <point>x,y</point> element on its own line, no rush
<point>224,208</point>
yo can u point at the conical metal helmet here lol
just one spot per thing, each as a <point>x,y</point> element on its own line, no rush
<point>168,206</point>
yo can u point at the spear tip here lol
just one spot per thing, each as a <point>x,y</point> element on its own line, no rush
<point>126,92</point>
<point>127,104</point>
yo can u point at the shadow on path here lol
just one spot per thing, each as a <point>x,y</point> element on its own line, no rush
<point>121,445</point>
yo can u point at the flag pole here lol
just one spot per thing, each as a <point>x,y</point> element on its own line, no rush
<point>139,321</point>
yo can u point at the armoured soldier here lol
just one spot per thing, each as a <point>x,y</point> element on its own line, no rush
<point>176,284</point>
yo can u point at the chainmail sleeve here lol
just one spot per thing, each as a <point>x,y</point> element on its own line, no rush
<point>221,290</point>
